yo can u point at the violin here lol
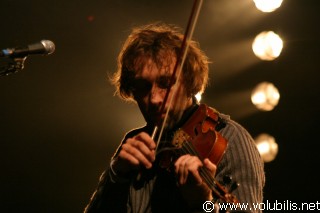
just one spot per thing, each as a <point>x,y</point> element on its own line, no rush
<point>199,136</point>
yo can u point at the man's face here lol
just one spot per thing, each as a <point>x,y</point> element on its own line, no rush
<point>150,87</point>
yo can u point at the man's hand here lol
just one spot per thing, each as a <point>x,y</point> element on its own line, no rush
<point>193,188</point>
<point>135,152</point>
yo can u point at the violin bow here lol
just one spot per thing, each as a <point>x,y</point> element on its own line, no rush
<point>178,66</point>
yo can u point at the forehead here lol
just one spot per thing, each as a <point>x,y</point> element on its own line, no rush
<point>147,67</point>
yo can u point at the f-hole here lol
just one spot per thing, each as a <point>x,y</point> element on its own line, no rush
<point>195,131</point>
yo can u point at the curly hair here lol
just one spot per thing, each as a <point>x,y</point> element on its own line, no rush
<point>159,42</point>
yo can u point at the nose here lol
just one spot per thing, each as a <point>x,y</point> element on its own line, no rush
<point>157,95</point>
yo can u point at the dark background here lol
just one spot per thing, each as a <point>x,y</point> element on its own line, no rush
<point>60,122</point>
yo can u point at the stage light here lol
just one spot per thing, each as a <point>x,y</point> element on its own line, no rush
<point>265,96</point>
<point>267,5</point>
<point>267,45</point>
<point>267,147</point>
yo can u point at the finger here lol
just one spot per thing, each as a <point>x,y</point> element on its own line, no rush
<point>136,154</point>
<point>187,169</point>
<point>124,155</point>
<point>193,165</point>
<point>210,166</point>
<point>179,168</point>
<point>140,146</point>
<point>146,139</point>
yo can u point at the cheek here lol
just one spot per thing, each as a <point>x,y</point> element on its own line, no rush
<point>179,96</point>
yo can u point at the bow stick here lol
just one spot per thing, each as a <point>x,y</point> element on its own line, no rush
<point>178,66</point>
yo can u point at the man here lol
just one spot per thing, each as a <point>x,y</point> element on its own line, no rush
<point>137,180</point>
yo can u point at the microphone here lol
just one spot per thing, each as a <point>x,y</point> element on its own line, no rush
<point>44,47</point>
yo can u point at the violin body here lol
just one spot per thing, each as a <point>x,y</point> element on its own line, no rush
<point>199,136</point>
<point>200,131</point>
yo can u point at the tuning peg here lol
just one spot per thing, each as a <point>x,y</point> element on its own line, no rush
<point>234,186</point>
<point>227,179</point>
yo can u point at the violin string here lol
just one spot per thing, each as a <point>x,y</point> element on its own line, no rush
<point>209,179</point>
<point>205,173</point>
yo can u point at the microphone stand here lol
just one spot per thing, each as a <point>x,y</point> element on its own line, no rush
<point>13,66</point>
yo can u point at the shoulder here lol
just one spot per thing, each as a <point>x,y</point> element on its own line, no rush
<point>233,131</point>
<point>242,162</point>
<point>241,144</point>
<point>241,148</point>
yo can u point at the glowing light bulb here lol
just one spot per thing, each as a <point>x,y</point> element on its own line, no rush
<point>267,147</point>
<point>267,5</point>
<point>267,45</point>
<point>265,96</point>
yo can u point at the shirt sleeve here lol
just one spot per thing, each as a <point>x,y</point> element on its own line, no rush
<point>242,162</point>
<point>111,194</point>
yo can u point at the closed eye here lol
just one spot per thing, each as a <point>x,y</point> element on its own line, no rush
<point>163,82</point>
<point>141,86</point>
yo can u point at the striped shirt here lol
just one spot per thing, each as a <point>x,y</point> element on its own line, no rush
<point>155,190</point>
